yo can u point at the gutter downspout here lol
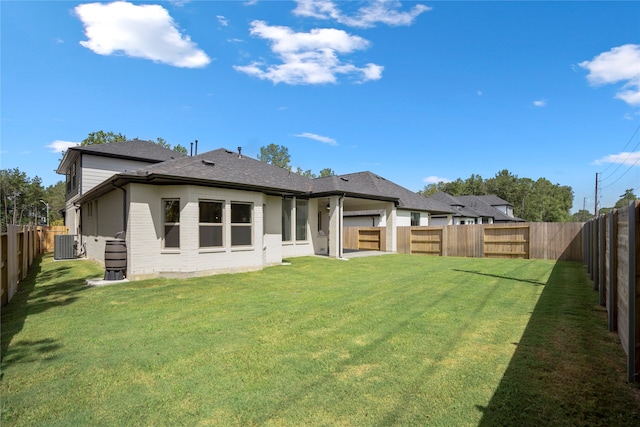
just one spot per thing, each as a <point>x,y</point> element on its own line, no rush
<point>124,206</point>
<point>340,225</point>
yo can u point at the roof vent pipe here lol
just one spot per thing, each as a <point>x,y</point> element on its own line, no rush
<point>239,152</point>
<point>196,147</point>
<point>191,148</point>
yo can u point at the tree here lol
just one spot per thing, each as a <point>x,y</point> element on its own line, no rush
<point>306,173</point>
<point>102,137</point>
<point>327,172</point>
<point>20,198</point>
<point>180,149</point>
<point>582,215</point>
<point>163,142</point>
<point>474,185</point>
<point>531,200</point>
<point>626,198</point>
<point>277,155</point>
<point>54,195</point>
<point>433,188</point>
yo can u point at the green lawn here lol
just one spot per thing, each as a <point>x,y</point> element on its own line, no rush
<point>389,340</point>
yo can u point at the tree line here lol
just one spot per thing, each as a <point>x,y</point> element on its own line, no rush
<point>533,201</point>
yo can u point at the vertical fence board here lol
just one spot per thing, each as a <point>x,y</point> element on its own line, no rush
<point>19,247</point>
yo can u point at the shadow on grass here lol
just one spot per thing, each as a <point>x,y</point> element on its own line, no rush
<point>38,292</point>
<point>518,279</point>
<point>566,369</point>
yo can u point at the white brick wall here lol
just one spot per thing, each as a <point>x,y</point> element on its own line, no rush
<point>144,237</point>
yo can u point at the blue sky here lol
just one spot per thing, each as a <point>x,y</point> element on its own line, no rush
<point>414,91</point>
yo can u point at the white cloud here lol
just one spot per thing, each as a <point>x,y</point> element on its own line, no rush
<point>620,64</point>
<point>308,58</point>
<point>376,11</point>
<point>624,158</point>
<point>540,103</point>
<point>59,146</point>
<point>139,31</point>
<point>222,20</point>
<point>435,179</point>
<point>323,139</point>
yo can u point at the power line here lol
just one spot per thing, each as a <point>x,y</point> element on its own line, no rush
<point>624,160</point>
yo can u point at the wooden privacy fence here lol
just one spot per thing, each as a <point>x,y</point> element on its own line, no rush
<point>555,241</point>
<point>364,238</point>
<point>612,256</point>
<point>537,240</point>
<point>18,248</point>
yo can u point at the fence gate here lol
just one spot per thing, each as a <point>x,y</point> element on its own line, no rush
<point>427,241</point>
<point>506,241</point>
<point>369,239</point>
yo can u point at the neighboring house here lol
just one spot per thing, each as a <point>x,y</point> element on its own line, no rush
<point>221,211</point>
<point>489,209</point>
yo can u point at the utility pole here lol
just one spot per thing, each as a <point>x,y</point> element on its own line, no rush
<point>595,209</point>
<point>584,209</point>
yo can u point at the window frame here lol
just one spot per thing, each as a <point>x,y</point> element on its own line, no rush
<point>219,225</point>
<point>239,225</point>
<point>174,224</point>
<point>305,226</point>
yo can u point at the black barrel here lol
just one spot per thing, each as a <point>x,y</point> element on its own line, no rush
<point>115,259</point>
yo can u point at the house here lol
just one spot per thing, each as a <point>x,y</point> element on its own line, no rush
<point>488,209</point>
<point>89,165</point>
<point>220,211</point>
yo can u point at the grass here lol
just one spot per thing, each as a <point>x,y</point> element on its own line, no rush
<point>391,340</point>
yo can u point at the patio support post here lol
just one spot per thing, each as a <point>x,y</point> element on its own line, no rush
<point>391,229</point>
<point>335,226</point>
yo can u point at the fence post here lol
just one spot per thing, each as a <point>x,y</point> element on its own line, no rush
<point>631,356</point>
<point>595,274</point>
<point>612,290</point>
<point>601,259</point>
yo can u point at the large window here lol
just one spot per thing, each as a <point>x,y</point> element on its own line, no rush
<point>302,216</point>
<point>241,225</point>
<point>210,224</point>
<point>171,223</point>
<point>415,219</point>
<point>287,208</point>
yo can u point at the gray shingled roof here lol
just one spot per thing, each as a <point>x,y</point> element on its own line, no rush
<point>135,149</point>
<point>374,186</point>
<point>478,204</point>
<point>228,168</point>
<point>459,207</point>
<point>146,151</point>
<point>494,200</point>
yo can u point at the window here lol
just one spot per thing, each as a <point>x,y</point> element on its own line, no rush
<point>302,211</point>
<point>73,175</point>
<point>287,207</point>
<point>415,219</point>
<point>171,223</point>
<point>241,224</point>
<point>89,209</point>
<point>210,224</point>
